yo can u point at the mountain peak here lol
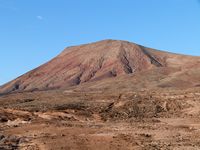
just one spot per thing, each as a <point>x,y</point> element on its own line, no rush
<point>90,62</point>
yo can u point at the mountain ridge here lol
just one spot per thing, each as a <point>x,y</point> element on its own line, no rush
<point>96,61</point>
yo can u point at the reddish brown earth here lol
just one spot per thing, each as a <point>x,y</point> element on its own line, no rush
<point>105,95</point>
<point>103,60</point>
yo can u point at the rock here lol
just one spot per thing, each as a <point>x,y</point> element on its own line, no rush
<point>1,137</point>
<point>3,119</point>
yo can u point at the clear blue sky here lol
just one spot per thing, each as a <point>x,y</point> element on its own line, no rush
<point>34,31</point>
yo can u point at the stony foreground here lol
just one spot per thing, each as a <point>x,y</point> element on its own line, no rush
<point>143,120</point>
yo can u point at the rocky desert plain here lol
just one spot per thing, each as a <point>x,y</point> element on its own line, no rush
<point>107,95</point>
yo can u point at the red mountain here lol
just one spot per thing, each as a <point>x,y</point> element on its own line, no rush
<point>99,61</point>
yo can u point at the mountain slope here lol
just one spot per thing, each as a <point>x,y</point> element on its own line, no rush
<point>97,62</point>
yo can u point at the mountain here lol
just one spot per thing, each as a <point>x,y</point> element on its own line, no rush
<point>108,63</point>
<point>106,95</point>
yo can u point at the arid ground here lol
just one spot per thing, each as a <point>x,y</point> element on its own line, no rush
<point>149,120</point>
